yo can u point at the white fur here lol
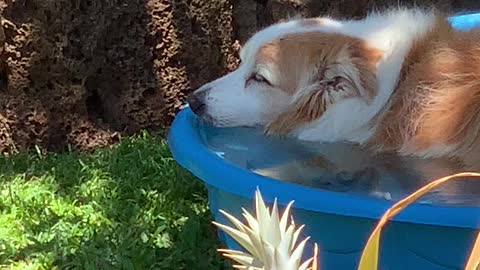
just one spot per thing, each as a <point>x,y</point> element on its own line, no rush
<point>230,103</point>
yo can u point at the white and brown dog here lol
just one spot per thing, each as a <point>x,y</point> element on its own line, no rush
<point>399,81</point>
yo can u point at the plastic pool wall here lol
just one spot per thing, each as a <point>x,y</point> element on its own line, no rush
<point>414,240</point>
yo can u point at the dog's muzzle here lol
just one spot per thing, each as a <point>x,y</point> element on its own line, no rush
<point>196,101</point>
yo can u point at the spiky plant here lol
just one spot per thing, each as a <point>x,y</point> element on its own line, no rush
<point>271,242</point>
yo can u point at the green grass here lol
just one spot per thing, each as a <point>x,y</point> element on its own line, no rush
<point>125,207</point>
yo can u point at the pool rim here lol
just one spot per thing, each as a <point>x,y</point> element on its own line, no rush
<point>188,149</point>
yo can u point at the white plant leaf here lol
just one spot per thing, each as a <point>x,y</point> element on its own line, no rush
<point>268,238</point>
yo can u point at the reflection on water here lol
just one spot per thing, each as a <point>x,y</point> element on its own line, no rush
<point>339,167</point>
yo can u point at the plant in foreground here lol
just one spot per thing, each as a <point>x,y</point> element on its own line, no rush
<point>270,239</point>
<point>271,243</point>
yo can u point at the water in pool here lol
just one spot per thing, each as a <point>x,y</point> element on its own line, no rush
<point>339,167</point>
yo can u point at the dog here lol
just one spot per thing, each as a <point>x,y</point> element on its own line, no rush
<point>401,81</point>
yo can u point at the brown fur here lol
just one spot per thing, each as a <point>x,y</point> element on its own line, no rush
<point>437,102</point>
<point>320,51</point>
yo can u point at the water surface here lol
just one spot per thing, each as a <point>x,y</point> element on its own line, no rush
<point>339,167</point>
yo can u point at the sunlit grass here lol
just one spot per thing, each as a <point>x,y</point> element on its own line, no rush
<point>126,207</point>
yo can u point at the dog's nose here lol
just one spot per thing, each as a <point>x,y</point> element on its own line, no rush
<point>196,101</point>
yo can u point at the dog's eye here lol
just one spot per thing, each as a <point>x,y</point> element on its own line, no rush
<point>336,80</point>
<point>258,78</point>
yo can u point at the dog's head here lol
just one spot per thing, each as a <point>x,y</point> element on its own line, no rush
<point>289,80</point>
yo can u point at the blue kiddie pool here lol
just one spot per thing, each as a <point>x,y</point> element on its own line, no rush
<point>338,209</point>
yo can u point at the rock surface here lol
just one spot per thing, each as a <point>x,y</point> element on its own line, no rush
<point>82,73</point>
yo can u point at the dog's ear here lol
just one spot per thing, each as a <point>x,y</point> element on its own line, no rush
<point>348,66</point>
<point>352,75</point>
<point>306,108</point>
<point>365,60</point>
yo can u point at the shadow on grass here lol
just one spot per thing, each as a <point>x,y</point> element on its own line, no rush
<point>127,207</point>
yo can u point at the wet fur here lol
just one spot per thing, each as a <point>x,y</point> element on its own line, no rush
<point>435,109</point>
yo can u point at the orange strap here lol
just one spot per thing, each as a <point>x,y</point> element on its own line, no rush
<point>474,258</point>
<point>369,258</point>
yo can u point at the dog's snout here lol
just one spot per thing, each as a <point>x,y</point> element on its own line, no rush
<point>196,101</point>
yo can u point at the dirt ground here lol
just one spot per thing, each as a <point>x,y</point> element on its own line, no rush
<point>82,73</point>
